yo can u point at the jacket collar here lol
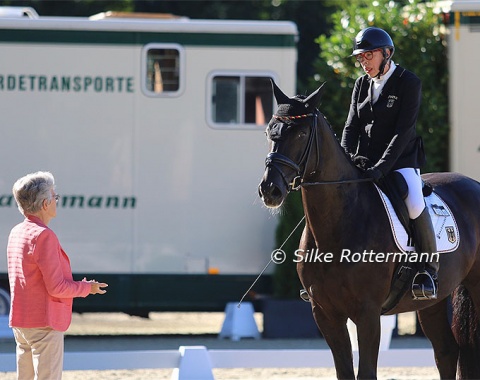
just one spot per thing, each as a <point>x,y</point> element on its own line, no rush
<point>389,83</point>
<point>35,219</point>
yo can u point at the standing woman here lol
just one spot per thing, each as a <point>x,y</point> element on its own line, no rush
<point>381,126</point>
<point>41,282</point>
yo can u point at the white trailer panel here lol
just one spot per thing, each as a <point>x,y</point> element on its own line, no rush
<point>464,61</point>
<point>154,132</point>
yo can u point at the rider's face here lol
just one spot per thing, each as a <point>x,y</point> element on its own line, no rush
<point>371,61</point>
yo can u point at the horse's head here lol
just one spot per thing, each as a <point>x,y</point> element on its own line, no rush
<point>292,136</point>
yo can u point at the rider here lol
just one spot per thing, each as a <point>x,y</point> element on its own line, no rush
<point>381,127</point>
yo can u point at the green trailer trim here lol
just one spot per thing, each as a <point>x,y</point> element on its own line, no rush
<point>139,294</point>
<point>464,18</point>
<point>141,38</point>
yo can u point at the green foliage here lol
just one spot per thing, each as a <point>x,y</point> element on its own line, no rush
<point>418,33</point>
<point>285,279</point>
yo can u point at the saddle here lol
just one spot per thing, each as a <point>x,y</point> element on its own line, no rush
<point>393,190</point>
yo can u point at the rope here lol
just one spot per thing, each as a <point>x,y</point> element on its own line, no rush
<point>266,266</point>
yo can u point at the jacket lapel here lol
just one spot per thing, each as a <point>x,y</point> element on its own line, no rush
<point>368,98</point>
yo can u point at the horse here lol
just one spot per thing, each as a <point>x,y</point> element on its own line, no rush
<point>343,211</point>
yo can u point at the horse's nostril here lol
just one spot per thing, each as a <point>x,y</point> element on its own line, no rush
<point>270,193</point>
<point>276,193</point>
<point>269,189</point>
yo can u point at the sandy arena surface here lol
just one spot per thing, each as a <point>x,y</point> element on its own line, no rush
<point>117,332</point>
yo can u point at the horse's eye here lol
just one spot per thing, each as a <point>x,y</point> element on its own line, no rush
<point>302,134</point>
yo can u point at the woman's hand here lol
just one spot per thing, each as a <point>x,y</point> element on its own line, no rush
<point>96,287</point>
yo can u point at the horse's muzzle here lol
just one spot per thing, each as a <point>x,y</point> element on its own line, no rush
<point>271,194</point>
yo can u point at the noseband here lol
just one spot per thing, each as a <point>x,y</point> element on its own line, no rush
<point>275,159</point>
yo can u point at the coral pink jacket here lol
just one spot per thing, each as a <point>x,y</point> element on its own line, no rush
<point>41,281</point>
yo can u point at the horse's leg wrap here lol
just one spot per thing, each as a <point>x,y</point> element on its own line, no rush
<point>425,283</point>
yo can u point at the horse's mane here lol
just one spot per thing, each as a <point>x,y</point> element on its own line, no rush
<point>360,162</point>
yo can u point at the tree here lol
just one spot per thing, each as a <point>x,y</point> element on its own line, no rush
<point>286,283</point>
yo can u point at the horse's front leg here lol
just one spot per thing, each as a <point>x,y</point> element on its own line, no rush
<point>334,330</point>
<point>331,323</point>
<point>368,334</point>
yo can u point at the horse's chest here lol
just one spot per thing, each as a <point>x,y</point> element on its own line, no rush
<point>339,289</point>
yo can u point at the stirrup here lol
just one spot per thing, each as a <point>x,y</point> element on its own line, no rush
<point>304,295</point>
<point>424,288</point>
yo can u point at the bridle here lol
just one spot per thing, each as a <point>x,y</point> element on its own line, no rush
<point>275,160</point>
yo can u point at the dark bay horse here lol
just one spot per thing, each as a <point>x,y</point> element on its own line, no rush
<point>344,212</point>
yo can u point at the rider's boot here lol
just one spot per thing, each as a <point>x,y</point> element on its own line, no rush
<point>425,282</point>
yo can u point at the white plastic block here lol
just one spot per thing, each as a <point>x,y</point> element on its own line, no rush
<point>239,322</point>
<point>195,364</point>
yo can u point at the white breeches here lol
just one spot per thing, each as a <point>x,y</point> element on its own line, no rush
<point>415,202</point>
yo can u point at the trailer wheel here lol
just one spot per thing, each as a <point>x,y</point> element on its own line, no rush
<point>4,302</point>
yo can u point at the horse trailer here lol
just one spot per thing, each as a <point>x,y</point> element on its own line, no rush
<point>153,128</point>
<point>464,82</point>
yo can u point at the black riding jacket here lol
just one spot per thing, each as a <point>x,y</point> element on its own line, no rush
<point>385,132</point>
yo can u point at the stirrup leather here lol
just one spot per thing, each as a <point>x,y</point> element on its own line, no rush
<point>422,281</point>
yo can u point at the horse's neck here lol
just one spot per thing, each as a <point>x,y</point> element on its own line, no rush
<point>328,205</point>
<point>333,163</point>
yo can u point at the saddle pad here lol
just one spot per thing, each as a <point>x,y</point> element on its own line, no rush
<point>444,224</point>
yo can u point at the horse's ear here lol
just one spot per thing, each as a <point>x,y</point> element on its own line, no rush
<point>314,98</point>
<point>280,97</point>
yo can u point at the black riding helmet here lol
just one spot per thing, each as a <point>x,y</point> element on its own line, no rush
<point>371,39</point>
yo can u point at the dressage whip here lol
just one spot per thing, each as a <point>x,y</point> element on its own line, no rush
<point>266,266</point>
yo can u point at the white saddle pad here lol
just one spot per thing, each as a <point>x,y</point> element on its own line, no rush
<point>444,224</point>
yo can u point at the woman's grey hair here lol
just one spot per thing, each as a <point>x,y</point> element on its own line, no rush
<point>31,190</point>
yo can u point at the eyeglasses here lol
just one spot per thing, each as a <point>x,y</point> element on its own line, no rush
<point>368,55</point>
<point>56,197</point>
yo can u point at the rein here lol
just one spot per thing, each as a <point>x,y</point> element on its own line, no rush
<point>274,158</point>
<point>339,182</point>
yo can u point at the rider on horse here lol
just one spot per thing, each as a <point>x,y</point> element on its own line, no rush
<point>381,126</point>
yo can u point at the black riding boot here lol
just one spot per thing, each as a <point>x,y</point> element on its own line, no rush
<point>425,282</point>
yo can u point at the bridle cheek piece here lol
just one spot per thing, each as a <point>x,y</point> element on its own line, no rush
<point>275,160</point>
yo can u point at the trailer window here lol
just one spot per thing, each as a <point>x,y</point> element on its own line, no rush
<point>162,74</point>
<point>240,101</point>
